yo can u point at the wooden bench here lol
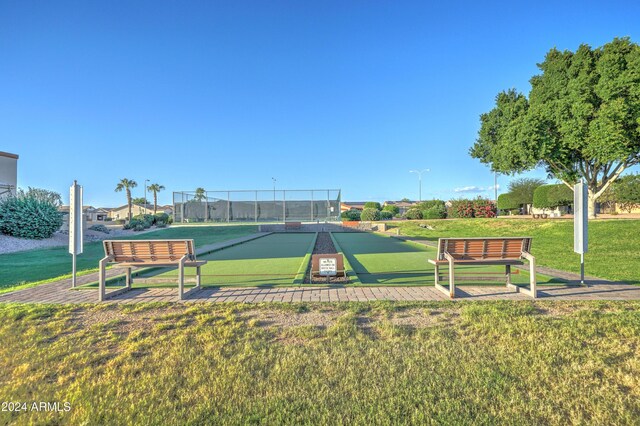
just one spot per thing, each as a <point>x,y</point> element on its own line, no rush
<point>149,253</point>
<point>292,225</point>
<point>315,264</point>
<point>506,251</point>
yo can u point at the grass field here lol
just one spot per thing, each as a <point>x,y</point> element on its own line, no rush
<point>379,259</point>
<point>614,245</point>
<point>378,363</point>
<point>274,259</point>
<point>46,264</point>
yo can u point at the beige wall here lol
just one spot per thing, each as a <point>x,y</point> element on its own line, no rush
<point>9,170</point>
<point>124,212</point>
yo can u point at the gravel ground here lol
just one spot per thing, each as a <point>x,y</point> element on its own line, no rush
<point>324,245</point>
<point>61,238</point>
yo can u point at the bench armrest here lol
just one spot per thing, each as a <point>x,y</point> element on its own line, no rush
<point>528,256</point>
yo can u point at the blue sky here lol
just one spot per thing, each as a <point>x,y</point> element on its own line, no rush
<point>227,95</point>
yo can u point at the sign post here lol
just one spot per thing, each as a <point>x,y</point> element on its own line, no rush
<point>328,267</point>
<point>580,223</point>
<point>76,225</point>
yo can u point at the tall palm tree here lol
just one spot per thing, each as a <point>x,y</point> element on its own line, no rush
<point>126,185</point>
<point>155,188</point>
<point>200,194</point>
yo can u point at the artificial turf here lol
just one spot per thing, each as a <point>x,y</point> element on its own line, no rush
<point>379,259</point>
<point>30,266</point>
<point>273,259</point>
<point>614,244</point>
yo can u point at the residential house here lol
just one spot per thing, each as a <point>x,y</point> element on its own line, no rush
<point>8,174</point>
<point>352,205</point>
<point>402,205</point>
<point>122,212</point>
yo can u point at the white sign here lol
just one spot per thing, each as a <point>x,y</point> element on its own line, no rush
<point>76,219</point>
<point>580,218</point>
<point>328,266</point>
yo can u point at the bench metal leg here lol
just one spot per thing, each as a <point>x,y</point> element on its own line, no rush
<point>181,282</point>
<point>198,279</point>
<point>531,291</point>
<point>452,283</point>
<point>451,291</point>
<point>102,291</point>
<point>507,272</point>
<point>436,274</point>
<point>128,280</point>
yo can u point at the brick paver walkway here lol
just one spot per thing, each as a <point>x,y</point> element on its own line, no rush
<point>60,291</point>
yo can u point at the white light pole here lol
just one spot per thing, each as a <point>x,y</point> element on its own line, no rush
<point>420,172</point>
<point>274,198</point>
<point>145,194</point>
<point>274,189</point>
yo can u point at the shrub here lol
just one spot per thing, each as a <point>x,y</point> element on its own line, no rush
<point>29,217</point>
<point>391,208</point>
<point>461,208</point>
<point>428,204</point>
<point>372,205</point>
<point>435,212</point>
<point>100,228</point>
<point>552,196</point>
<point>413,214</point>
<point>147,219</point>
<point>137,224</point>
<point>351,215</point>
<point>119,221</point>
<point>484,208</point>
<point>507,202</point>
<point>370,214</point>
<point>386,215</point>
<point>522,190</point>
<point>161,219</point>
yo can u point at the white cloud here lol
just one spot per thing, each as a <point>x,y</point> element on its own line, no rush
<point>491,188</point>
<point>469,189</point>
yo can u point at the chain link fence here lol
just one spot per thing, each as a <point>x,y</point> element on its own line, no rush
<point>314,205</point>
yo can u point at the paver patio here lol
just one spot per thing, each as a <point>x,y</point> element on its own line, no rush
<point>61,292</point>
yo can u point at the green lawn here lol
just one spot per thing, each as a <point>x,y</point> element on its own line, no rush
<point>359,363</point>
<point>378,259</point>
<point>614,245</point>
<point>274,259</point>
<point>45,264</point>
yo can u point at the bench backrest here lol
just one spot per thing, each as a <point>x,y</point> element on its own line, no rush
<point>149,251</point>
<point>490,248</point>
<point>315,262</point>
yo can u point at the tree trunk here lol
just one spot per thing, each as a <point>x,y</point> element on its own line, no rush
<point>591,203</point>
<point>155,202</point>
<point>129,203</point>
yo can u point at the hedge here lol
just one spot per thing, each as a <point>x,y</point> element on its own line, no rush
<point>29,217</point>
<point>552,196</point>
<point>507,202</point>
<point>372,205</point>
<point>370,214</point>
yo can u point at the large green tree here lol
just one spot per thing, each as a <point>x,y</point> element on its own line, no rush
<point>580,120</point>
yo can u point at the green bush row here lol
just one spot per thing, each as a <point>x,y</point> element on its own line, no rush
<point>27,216</point>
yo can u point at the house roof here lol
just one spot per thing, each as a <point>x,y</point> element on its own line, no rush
<point>8,155</point>
<point>84,208</point>
<point>148,206</point>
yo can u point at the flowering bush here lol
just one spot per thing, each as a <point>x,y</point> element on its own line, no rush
<point>484,208</point>
<point>461,208</point>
